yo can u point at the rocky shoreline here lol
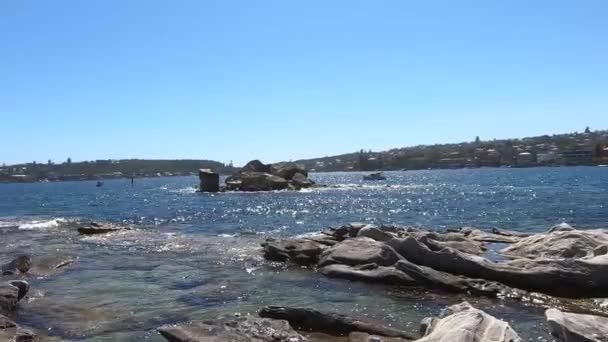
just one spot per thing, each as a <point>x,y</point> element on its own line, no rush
<point>561,270</point>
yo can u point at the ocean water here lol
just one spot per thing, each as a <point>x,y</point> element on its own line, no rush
<point>194,255</point>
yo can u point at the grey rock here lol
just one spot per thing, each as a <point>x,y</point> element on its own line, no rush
<point>572,327</point>
<point>288,170</point>
<point>209,180</point>
<point>300,251</point>
<point>305,319</point>
<point>374,232</point>
<point>575,278</point>
<point>359,251</point>
<point>300,181</point>
<point>258,181</point>
<point>6,323</point>
<point>232,329</point>
<point>464,323</point>
<point>560,244</point>
<point>20,264</point>
<point>371,273</point>
<point>11,293</point>
<point>256,166</point>
<point>562,227</point>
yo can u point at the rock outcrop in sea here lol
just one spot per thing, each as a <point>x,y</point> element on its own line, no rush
<point>257,176</point>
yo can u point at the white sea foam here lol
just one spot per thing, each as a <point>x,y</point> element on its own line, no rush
<point>33,225</point>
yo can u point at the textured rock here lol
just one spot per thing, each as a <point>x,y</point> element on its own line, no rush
<point>371,273</point>
<point>562,227</point>
<point>334,324</point>
<point>20,264</point>
<point>288,170</point>
<point>560,244</point>
<point>300,251</point>
<point>300,181</point>
<point>575,278</point>
<point>256,166</point>
<point>359,251</point>
<point>209,180</point>
<point>375,232</point>
<point>232,329</point>
<point>572,327</point>
<point>464,323</point>
<point>6,323</point>
<point>11,293</point>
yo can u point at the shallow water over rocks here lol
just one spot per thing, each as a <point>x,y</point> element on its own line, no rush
<point>192,256</point>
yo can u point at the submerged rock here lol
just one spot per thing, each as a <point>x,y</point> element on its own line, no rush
<point>572,327</point>
<point>464,323</point>
<point>334,324</point>
<point>20,264</point>
<point>92,228</point>
<point>229,329</point>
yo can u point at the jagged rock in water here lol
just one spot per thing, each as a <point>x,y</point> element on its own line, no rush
<point>300,181</point>
<point>305,319</point>
<point>575,278</point>
<point>300,251</point>
<point>560,244</point>
<point>359,251</point>
<point>232,329</point>
<point>572,327</point>
<point>464,323</point>
<point>288,170</point>
<point>11,293</point>
<point>371,273</point>
<point>256,166</point>
<point>93,228</point>
<point>20,264</point>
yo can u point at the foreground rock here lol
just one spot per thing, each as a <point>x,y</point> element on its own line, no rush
<point>235,329</point>
<point>571,327</point>
<point>257,176</point>
<point>333,324</point>
<point>464,323</point>
<point>93,228</point>
<point>564,262</point>
<point>19,265</point>
<point>11,293</point>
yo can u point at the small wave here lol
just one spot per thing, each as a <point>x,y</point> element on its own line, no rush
<point>42,224</point>
<point>227,235</point>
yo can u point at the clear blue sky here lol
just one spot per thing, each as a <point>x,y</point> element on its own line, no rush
<point>278,80</point>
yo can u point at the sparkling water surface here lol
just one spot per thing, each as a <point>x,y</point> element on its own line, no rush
<point>194,255</point>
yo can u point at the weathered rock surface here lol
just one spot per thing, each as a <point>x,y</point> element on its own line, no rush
<point>300,181</point>
<point>464,323</point>
<point>572,327</point>
<point>232,329</point>
<point>209,180</point>
<point>20,264</point>
<point>92,228</point>
<point>561,277</point>
<point>304,319</point>
<point>561,244</point>
<point>288,170</point>
<point>369,273</point>
<point>359,251</point>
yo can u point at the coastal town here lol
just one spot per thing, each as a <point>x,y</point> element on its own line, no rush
<point>588,148</point>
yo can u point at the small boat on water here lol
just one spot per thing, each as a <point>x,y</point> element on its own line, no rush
<point>602,165</point>
<point>374,177</point>
<point>99,184</point>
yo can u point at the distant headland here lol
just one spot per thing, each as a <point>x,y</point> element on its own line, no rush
<point>571,149</point>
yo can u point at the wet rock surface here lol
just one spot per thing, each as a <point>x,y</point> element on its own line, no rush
<point>19,265</point>
<point>573,327</point>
